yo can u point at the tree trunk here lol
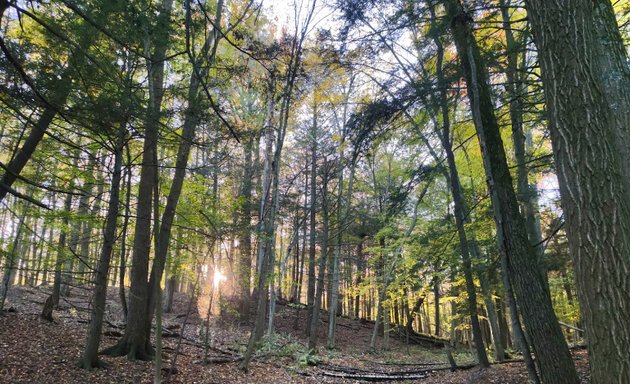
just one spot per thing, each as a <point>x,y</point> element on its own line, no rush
<point>313,333</point>
<point>436,295</point>
<point>310,294</point>
<point>555,362</point>
<point>264,257</point>
<point>357,284</point>
<point>134,341</point>
<point>62,255</point>
<point>99,296</point>
<point>86,224</point>
<point>201,66</point>
<point>123,241</point>
<point>517,329</point>
<point>8,274</point>
<point>527,193</point>
<point>245,256</point>
<point>460,208</point>
<point>586,76</point>
<point>343,209</point>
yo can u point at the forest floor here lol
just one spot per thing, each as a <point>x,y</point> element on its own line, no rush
<point>35,351</point>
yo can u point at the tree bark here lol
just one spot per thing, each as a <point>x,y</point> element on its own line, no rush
<point>586,76</point>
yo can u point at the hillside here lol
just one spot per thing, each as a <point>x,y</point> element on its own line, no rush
<point>35,351</point>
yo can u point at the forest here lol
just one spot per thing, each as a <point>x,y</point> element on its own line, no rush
<point>315,191</point>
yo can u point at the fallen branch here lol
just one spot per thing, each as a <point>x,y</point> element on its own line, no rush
<point>422,339</point>
<point>570,326</point>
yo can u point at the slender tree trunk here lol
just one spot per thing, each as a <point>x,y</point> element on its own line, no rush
<point>452,175</point>
<point>99,296</point>
<point>172,282</point>
<point>245,256</point>
<point>343,209</point>
<point>304,228</point>
<point>313,333</point>
<point>357,284</point>
<point>436,295</point>
<point>264,260</point>
<point>201,66</point>
<point>555,362</point>
<point>86,225</point>
<point>527,193</point>
<point>123,241</point>
<point>53,299</point>
<point>9,263</point>
<point>310,294</point>
<point>491,311</point>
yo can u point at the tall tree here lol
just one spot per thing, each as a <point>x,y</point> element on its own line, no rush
<point>90,356</point>
<point>134,342</point>
<point>54,101</point>
<point>552,352</point>
<point>586,79</point>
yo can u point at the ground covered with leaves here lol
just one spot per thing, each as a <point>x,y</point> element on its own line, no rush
<point>33,350</point>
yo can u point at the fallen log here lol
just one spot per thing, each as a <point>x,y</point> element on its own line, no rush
<point>425,340</point>
<point>402,364</point>
<point>218,360</point>
<point>381,375</point>
<point>373,377</point>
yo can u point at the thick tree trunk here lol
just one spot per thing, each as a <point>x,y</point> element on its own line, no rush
<point>586,76</point>
<point>555,362</point>
<point>517,329</point>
